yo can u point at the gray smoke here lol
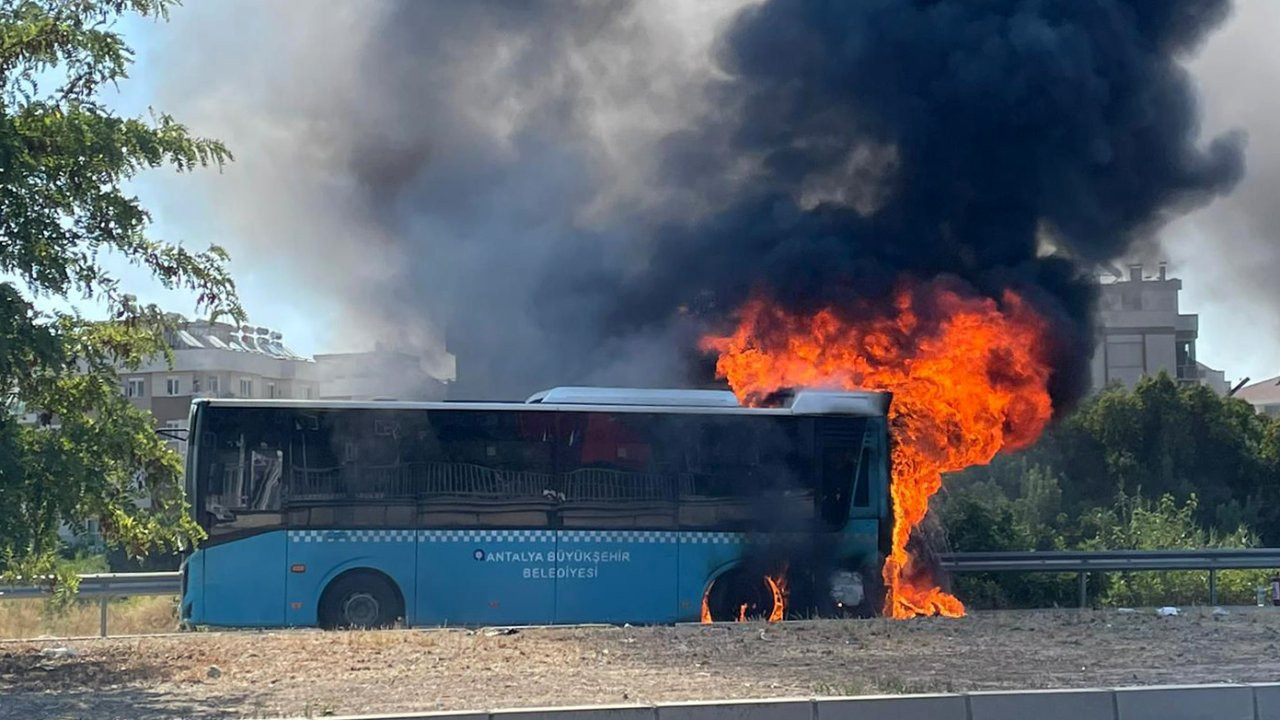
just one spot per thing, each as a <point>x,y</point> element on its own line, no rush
<point>421,169</point>
<point>1229,254</point>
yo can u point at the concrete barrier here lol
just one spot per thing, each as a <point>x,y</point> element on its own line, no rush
<point>1043,705</point>
<point>1187,702</point>
<point>899,707</point>
<point>1173,702</point>
<point>780,709</point>
<point>588,712</point>
<point>1266,701</point>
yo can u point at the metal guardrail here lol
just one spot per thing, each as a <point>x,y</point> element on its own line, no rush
<point>1084,562</point>
<point>105,586</point>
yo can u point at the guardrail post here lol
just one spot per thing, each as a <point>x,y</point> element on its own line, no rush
<point>1213,586</point>
<point>102,615</point>
<point>1082,582</point>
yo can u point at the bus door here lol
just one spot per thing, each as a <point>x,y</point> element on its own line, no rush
<point>239,499</point>
<point>617,549</point>
<point>486,513</point>
<point>853,480</point>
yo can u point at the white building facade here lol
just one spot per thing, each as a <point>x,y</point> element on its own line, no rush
<point>1142,332</point>
<point>217,360</point>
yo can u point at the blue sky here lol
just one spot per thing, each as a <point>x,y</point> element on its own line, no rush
<point>185,218</point>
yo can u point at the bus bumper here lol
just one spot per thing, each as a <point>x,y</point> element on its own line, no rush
<point>191,604</point>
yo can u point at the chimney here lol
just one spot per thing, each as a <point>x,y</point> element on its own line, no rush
<point>1135,272</point>
<point>1163,268</point>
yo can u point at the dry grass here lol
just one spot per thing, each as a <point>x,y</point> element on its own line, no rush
<point>293,673</point>
<point>130,616</point>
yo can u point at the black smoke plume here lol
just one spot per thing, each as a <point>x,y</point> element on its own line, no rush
<point>573,192</point>
<point>1011,144</point>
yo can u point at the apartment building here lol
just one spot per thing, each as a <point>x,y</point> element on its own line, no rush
<point>1143,332</point>
<point>229,361</point>
<point>212,359</point>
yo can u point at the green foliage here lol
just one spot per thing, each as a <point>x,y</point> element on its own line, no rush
<point>1137,524</point>
<point>1212,462</point>
<point>84,563</point>
<point>983,517</point>
<point>64,156</point>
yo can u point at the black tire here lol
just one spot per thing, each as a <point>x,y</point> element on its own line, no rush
<point>735,589</point>
<point>873,590</point>
<point>360,600</point>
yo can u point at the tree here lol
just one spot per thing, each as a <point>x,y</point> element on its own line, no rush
<point>1158,438</point>
<point>64,156</point>
<point>1134,523</point>
<point>1213,463</point>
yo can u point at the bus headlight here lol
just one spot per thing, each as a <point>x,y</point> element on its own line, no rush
<point>846,588</point>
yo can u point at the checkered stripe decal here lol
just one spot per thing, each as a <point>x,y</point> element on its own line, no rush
<point>473,536</point>
<point>627,536</point>
<point>581,536</point>
<point>713,538</point>
<point>377,536</point>
<point>518,536</point>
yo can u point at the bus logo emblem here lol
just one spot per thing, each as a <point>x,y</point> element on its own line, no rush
<point>478,554</point>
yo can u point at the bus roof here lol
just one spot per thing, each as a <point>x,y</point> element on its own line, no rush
<point>582,399</point>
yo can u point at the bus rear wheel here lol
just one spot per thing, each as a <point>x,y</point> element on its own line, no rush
<point>740,596</point>
<point>360,600</point>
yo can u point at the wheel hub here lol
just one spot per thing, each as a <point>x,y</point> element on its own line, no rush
<point>361,609</point>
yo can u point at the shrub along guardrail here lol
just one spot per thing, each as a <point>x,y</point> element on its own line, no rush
<point>1085,562</point>
<point>105,586</point>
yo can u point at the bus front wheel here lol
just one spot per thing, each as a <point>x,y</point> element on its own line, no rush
<point>360,600</point>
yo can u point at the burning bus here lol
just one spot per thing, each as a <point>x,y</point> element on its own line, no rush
<point>579,505</point>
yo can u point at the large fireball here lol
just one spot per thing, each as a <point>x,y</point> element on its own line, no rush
<point>969,377</point>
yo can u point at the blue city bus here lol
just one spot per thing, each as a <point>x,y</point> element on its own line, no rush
<point>580,505</point>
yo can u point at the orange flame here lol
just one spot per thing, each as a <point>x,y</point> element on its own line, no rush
<point>778,585</point>
<point>967,384</point>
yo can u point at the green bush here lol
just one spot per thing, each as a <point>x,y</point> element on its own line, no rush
<point>1137,524</point>
<point>1212,463</point>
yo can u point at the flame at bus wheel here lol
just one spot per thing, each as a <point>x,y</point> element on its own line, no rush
<point>969,377</point>
<point>778,586</point>
<point>770,604</point>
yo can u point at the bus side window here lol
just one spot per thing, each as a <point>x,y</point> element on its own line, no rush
<point>862,486</point>
<point>241,479</point>
<point>484,468</point>
<point>839,470</point>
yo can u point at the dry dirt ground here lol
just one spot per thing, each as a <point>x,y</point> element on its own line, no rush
<point>311,673</point>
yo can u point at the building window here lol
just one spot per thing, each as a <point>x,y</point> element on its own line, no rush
<point>1131,299</point>
<point>135,388</point>
<point>213,384</point>
<point>271,390</point>
<point>246,387</point>
<point>172,386</point>
<point>1124,355</point>
<point>308,392</point>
